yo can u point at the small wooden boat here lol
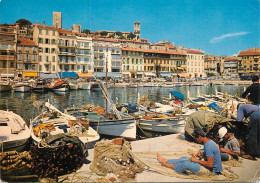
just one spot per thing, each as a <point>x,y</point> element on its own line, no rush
<point>61,86</point>
<point>53,122</point>
<point>14,132</point>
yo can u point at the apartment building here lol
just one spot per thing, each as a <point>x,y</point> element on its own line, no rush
<point>178,62</point>
<point>46,38</point>
<point>84,56</point>
<point>107,54</point>
<point>132,63</point>
<point>230,65</point>
<point>27,58</point>
<point>249,61</point>
<point>8,37</point>
<point>195,63</point>
<point>67,51</point>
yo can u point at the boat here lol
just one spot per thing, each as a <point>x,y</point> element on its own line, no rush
<point>14,132</point>
<point>61,86</point>
<point>106,124</point>
<point>40,86</point>
<point>22,87</point>
<point>85,85</point>
<point>5,87</point>
<point>53,122</point>
<point>74,85</point>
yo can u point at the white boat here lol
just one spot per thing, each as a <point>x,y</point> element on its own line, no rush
<point>5,87</point>
<point>14,132</point>
<point>131,85</point>
<point>59,123</point>
<point>84,86</point>
<point>74,86</point>
<point>125,127</point>
<point>22,87</point>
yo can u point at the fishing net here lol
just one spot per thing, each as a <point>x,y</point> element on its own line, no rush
<point>114,156</point>
<point>146,102</point>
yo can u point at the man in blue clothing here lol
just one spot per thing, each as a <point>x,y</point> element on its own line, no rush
<point>245,110</point>
<point>212,160</point>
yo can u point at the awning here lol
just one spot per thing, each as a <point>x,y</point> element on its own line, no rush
<point>139,73</point>
<point>109,74</point>
<point>149,74</point>
<point>68,74</point>
<point>5,75</point>
<point>85,75</point>
<point>179,68</point>
<point>184,75</point>
<point>48,76</point>
<point>30,74</point>
<point>165,74</point>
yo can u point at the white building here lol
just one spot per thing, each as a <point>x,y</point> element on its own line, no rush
<point>195,63</point>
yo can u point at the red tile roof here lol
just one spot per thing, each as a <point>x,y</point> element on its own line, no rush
<point>46,27</point>
<point>231,59</point>
<point>132,49</point>
<point>62,31</point>
<point>106,40</point>
<point>194,51</point>
<point>248,53</point>
<point>153,51</point>
<point>25,42</point>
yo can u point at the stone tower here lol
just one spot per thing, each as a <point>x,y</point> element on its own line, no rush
<point>57,20</point>
<point>76,28</point>
<point>137,30</point>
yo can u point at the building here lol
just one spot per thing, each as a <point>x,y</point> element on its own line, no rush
<point>27,58</point>
<point>249,61</point>
<point>46,38</point>
<point>84,54</point>
<point>137,30</point>
<point>57,20</point>
<point>8,37</point>
<point>230,65</point>
<point>132,63</point>
<point>67,51</point>
<point>195,63</point>
<point>212,64</point>
<point>107,54</point>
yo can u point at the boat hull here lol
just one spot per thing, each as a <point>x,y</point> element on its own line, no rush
<point>5,87</point>
<point>118,128</point>
<point>85,86</point>
<point>162,126</point>
<point>22,89</point>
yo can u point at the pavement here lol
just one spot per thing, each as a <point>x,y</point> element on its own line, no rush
<point>172,144</point>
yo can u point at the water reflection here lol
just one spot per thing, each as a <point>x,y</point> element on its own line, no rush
<point>22,103</point>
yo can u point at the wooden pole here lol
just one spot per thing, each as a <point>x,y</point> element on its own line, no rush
<point>106,87</point>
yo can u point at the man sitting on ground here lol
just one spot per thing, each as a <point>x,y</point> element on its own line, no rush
<point>194,165</point>
<point>231,147</point>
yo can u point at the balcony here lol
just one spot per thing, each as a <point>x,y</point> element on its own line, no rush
<point>66,53</point>
<point>7,57</point>
<point>66,46</point>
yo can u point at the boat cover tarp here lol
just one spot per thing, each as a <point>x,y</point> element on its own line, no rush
<point>86,75</point>
<point>48,76</point>
<point>177,94</point>
<point>68,75</point>
<point>165,74</point>
<point>215,106</point>
<point>204,120</point>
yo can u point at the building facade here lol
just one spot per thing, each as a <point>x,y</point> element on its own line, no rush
<point>230,65</point>
<point>195,63</point>
<point>8,37</point>
<point>27,58</point>
<point>249,61</point>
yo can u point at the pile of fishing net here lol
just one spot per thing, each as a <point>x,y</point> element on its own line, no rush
<point>57,155</point>
<point>146,102</point>
<point>16,166</point>
<point>92,108</point>
<point>115,156</point>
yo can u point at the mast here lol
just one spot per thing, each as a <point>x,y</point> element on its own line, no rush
<point>106,87</point>
<point>96,57</point>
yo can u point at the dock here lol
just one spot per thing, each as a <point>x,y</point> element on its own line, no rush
<point>172,147</point>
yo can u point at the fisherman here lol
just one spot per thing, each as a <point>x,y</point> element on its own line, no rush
<point>253,135</point>
<point>211,152</point>
<point>254,91</point>
<point>231,147</point>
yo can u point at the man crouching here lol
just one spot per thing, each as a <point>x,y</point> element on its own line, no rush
<point>211,152</point>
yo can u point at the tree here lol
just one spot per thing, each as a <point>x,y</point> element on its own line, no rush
<point>118,33</point>
<point>111,36</point>
<point>23,22</point>
<point>122,37</point>
<point>86,31</point>
<point>103,33</point>
<point>131,36</point>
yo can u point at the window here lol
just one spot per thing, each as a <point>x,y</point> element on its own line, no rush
<point>40,58</point>
<point>19,47</point>
<point>12,46</point>
<point>53,33</point>
<point>47,50</point>
<point>40,40</point>
<point>4,46</point>
<point>33,58</point>
<point>26,48</point>
<point>47,59</point>
<point>46,67</point>
<point>53,58</point>
<point>72,44</point>
<point>53,68</point>
<point>53,41</point>
<point>19,57</point>
<point>47,32</point>
<point>47,41</point>
<point>40,31</point>
<point>53,50</point>
<point>72,67</point>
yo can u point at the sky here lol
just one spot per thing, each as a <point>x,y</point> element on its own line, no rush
<point>218,27</point>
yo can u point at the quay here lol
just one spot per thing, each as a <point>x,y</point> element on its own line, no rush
<point>174,147</point>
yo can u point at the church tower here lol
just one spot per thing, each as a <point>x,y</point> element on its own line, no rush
<point>137,30</point>
<point>57,20</point>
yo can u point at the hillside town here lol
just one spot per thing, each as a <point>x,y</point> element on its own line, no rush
<point>30,50</point>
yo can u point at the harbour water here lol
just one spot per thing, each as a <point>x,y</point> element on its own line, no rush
<point>22,103</point>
